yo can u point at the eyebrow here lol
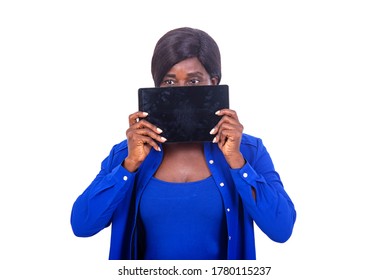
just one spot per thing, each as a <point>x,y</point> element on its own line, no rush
<point>192,74</point>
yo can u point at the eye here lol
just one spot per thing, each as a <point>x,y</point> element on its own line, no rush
<point>169,82</point>
<point>194,81</point>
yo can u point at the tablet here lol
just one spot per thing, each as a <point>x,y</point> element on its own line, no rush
<point>184,113</point>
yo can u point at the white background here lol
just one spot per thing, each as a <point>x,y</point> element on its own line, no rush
<point>308,77</point>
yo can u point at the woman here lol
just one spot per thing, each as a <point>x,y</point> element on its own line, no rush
<point>185,200</point>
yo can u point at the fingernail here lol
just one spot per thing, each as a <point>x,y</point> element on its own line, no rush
<point>214,140</point>
<point>163,139</point>
<point>159,149</point>
<point>217,112</point>
<point>159,130</point>
<point>145,113</point>
<point>212,131</point>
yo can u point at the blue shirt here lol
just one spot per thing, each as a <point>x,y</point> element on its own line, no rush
<point>112,199</point>
<point>183,221</point>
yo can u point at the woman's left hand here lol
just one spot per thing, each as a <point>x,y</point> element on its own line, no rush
<point>228,135</point>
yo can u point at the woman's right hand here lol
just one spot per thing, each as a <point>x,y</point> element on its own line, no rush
<point>141,137</point>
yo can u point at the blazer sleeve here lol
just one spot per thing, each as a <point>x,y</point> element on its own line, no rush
<point>272,209</point>
<point>93,209</point>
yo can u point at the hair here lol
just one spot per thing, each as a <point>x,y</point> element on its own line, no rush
<point>183,43</point>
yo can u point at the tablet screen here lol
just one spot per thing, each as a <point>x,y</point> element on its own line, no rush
<point>186,113</point>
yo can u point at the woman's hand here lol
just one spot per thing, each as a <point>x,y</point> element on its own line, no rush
<point>228,135</point>
<point>141,137</point>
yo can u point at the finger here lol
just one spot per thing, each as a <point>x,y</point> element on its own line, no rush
<point>143,124</point>
<point>233,126</point>
<point>134,118</point>
<point>144,142</point>
<point>227,112</point>
<point>228,123</point>
<point>150,142</point>
<point>228,131</point>
<point>146,132</point>
<point>230,135</point>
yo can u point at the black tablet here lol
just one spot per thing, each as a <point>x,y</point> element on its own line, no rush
<point>186,113</point>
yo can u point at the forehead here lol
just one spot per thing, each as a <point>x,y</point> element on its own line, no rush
<point>189,65</point>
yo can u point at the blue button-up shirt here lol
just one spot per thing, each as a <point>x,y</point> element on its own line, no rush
<point>112,199</point>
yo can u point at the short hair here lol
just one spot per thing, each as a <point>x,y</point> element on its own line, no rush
<point>183,43</point>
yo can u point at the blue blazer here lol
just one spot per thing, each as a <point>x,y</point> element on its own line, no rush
<point>112,199</point>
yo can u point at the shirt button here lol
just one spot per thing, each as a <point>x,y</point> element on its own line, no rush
<point>125,178</point>
<point>221,184</point>
<point>211,161</point>
<point>228,209</point>
<point>245,175</point>
<point>229,237</point>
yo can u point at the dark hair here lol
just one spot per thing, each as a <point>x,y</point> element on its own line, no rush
<point>182,43</point>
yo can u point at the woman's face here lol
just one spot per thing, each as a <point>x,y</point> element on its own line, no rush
<point>189,72</point>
